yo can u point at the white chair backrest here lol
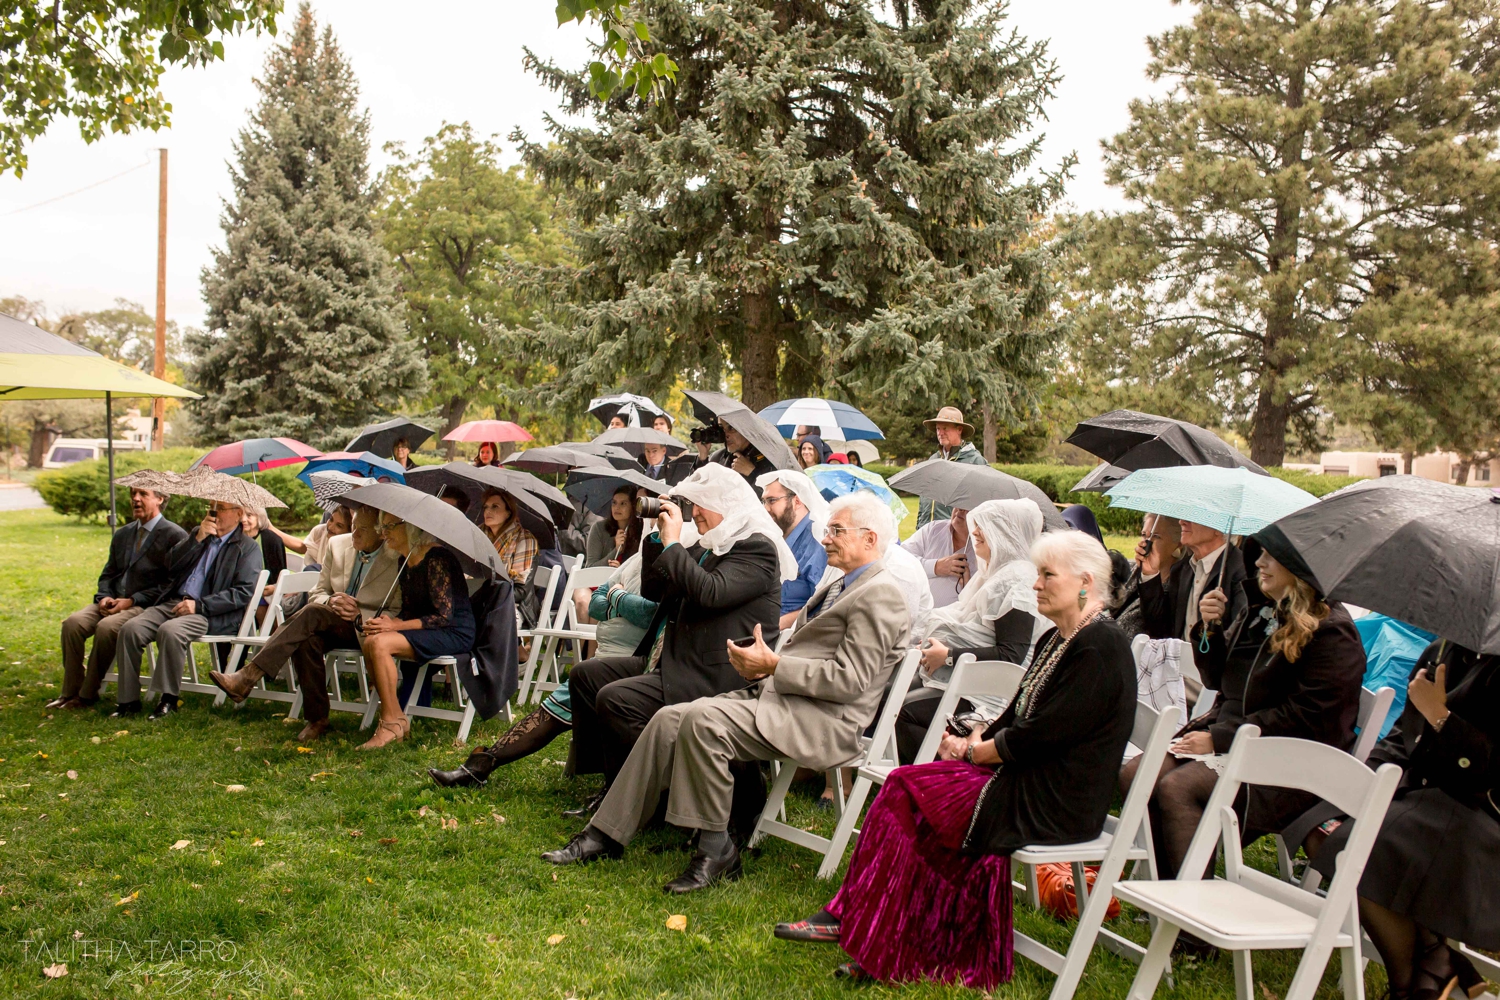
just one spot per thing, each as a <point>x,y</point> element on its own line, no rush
<point>546,577</point>
<point>298,582</point>
<point>590,577</point>
<point>993,679</point>
<point>882,747</point>
<point>1373,708</point>
<point>247,620</point>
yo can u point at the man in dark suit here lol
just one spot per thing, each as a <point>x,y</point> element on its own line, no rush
<point>212,575</point>
<point>1170,600</point>
<point>130,583</point>
<point>705,598</point>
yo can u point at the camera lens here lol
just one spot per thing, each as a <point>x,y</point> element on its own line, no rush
<point>648,507</point>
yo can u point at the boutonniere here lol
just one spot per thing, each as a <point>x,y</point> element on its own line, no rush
<point>1268,616</point>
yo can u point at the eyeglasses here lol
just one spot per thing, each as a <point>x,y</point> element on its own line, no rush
<point>385,527</point>
<point>221,508</point>
<point>840,530</point>
<point>768,501</point>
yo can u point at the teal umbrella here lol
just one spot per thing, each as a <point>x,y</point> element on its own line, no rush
<point>839,480</point>
<point>1234,501</point>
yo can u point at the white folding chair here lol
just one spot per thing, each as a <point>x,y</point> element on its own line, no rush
<point>336,663</point>
<point>552,662</point>
<point>1249,910</point>
<point>1125,838</point>
<point>549,578</point>
<point>288,584</point>
<point>879,749</point>
<point>1373,708</point>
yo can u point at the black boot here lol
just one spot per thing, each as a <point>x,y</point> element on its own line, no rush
<point>590,807</point>
<point>470,774</point>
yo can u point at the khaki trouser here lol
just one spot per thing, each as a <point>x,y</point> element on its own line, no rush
<point>174,641</point>
<point>304,639</point>
<point>76,629</point>
<point>685,751</point>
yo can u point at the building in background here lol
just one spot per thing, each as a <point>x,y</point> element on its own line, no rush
<point>1440,466</point>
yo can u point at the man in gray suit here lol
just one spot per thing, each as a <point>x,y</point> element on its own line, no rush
<point>809,703</point>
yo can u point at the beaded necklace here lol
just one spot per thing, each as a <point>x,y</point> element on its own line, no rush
<point>1042,667</point>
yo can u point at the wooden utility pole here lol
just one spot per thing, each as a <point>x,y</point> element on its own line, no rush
<point>159,368</point>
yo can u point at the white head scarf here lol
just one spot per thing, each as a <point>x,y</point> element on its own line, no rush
<point>1000,584</point>
<point>723,491</point>
<point>804,489</point>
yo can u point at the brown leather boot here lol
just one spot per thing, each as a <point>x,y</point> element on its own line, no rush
<point>239,684</point>
<point>313,731</point>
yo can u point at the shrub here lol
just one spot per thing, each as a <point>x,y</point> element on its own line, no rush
<point>1318,484</point>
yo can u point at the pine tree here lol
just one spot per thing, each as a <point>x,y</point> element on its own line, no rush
<point>1311,161</point>
<point>825,201</point>
<point>304,333</point>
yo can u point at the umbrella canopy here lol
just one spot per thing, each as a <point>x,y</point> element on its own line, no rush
<point>365,463</point>
<point>1101,478</point>
<point>35,364</point>
<point>866,451</point>
<point>472,480</point>
<point>151,479</point>
<point>488,430</point>
<point>1420,551</point>
<point>569,455</point>
<point>968,486</point>
<point>1134,440</point>
<point>764,436</point>
<point>635,439</point>
<point>381,438</point>
<point>328,486</point>
<point>833,420</point>
<point>594,487</point>
<point>206,484</point>
<point>257,455</point>
<point>476,553</point>
<point>839,480</point>
<point>627,405</point>
<point>1234,501</point>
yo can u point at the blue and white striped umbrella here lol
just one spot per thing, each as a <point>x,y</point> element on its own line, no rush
<point>833,420</point>
<point>1234,501</point>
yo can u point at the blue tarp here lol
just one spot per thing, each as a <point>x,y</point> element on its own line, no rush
<point>1391,651</point>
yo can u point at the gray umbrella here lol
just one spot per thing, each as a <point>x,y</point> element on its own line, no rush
<point>557,506</point>
<point>635,439</point>
<point>1102,477</point>
<point>634,409</point>
<point>381,438</point>
<point>472,480</point>
<point>476,553</point>
<point>967,486</point>
<point>571,455</point>
<point>1420,551</point>
<point>594,488</point>
<point>1134,440</point>
<point>709,406</point>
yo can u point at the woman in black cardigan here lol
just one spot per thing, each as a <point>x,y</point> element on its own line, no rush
<point>1433,873</point>
<point>1290,663</point>
<point>928,892</point>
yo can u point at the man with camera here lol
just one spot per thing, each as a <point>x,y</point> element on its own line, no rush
<point>737,454</point>
<point>713,582</point>
<point>808,703</point>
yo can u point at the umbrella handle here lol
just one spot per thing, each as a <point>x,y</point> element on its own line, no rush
<point>1223,561</point>
<point>399,570</point>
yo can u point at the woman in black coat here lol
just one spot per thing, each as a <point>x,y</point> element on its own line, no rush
<point>1290,663</point>
<point>1434,872</point>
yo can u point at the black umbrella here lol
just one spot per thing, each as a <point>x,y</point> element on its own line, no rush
<point>1102,477</point>
<point>635,439</point>
<point>442,521</point>
<point>595,487</point>
<point>381,438</point>
<point>709,406</point>
<point>570,455</point>
<point>625,405</point>
<point>1134,440</point>
<point>472,480</point>
<point>1420,551</point>
<point>967,486</point>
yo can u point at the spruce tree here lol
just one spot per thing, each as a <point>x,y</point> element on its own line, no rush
<point>827,200</point>
<point>304,331</point>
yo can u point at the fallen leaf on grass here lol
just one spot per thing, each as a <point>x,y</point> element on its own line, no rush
<point>369,880</point>
<point>41,755</point>
<point>122,732</point>
<point>304,749</point>
<point>584,921</point>
<point>234,788</point>
<point>62,795</point>
<point>78,935</point>
<point>56,971</point>
<point>72,775</point>
<point>677,922</point>
<point>1265,991</point>
<point>321,774</point>
<point>181,844</point>
<point>498,818</point>
<point>554,876</point>
<point>195,885</point>
<point>556,939</point>
<point>491,939</point>
<point>422,811</point>
<point>388,840</point>
<point>450,824</point>
<point>356,833</point>
<point>130,898</point>
<point>257,842</point>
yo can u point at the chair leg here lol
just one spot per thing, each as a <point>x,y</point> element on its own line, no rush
<point>1155,963</point>
<point>1080,886</point>
<point>1244,976</point>
<point>466,724</point>
<point>845,827</point>
<point>1284,859</point>
<point>1033,889</point>
<point>774,798</point>
<point>416,689</point>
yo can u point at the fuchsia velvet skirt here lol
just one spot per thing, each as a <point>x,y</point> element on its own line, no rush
<point>914,906</point>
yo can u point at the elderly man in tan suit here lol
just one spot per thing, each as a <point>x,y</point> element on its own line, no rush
<point>808,703</point>
<point>354,584</point>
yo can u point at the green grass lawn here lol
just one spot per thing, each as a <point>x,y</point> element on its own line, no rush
<point>337,874</point>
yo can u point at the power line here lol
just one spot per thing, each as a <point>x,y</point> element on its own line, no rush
<point>17,211</point>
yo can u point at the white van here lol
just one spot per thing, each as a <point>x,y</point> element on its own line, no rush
<point>66,451</point>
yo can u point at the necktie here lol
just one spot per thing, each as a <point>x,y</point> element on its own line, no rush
<point>140,539</point>
<point>834,590</point>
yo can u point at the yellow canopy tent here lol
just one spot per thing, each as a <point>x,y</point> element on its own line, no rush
<point>35,364</point>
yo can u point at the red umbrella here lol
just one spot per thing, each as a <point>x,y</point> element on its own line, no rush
<point>488,430</point>
<point>257,455</point>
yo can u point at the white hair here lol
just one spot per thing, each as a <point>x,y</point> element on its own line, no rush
<point>1077,552</point>
<point>866,510</point>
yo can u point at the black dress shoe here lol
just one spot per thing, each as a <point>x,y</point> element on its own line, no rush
<point>590,807</point>
<point>470,774</point>
<point>125,708</point>
<point>854,972</point>
<point>703,871</point>
<point>164,708</point>
<point>590,845</point>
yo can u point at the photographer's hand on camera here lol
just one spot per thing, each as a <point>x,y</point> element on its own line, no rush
<point>669,523</point>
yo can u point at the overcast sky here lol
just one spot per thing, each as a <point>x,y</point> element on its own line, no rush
<point>459,61</point>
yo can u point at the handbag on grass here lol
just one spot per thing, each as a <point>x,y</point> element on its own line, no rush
<point>1055,887</point>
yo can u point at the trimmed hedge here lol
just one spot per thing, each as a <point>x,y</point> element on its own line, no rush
<point>82,490</point>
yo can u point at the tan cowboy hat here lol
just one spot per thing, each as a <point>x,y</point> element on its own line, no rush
<point>950,415</point>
